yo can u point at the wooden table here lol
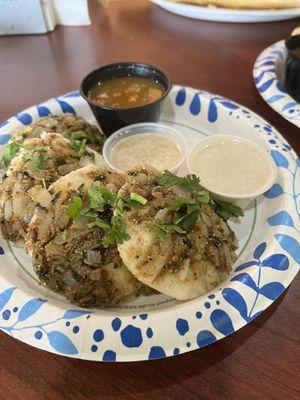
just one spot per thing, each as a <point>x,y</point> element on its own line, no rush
<point>261,361</point>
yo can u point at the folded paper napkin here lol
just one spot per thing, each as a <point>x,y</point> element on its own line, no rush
<point>71,12</point>
<point>41,16</point>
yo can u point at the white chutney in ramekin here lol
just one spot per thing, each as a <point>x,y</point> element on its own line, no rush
<point>232,168</point>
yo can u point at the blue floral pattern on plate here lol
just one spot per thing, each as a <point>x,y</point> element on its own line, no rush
<point>268,76</point>
<point>267,264</point>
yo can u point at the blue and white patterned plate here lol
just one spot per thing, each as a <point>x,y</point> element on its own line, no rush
<point>158,326</point>
<point>268,76</point>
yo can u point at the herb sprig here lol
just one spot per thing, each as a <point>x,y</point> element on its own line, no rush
<point>87,135</point>
<point>185,212</point>
<point>227,210</point>
<point>77,145</point>
<point>99,199</point>
<point>162,228</point>
<point>38,156</point>
<point>191,183</point>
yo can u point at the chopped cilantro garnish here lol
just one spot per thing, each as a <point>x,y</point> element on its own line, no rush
<point>167,179</point>
<point>188,221</point>
<point>10,152</point>
<point>189,211</point>
<point>131,203</point>
<point>117,234</point>
<point>77,145</point>
<point>99,223</point>
<point>162,228</point>
<point>96,198</point>
<point>203,197</point>
<point>40,163</point>
<point>191,183</point>
<point>37,155</point>
<point>74,207</point>
<point>87,135</point>
<point>227,210</point>
<point>109,197</point>
<point>188,182</point>
<point>186,213</point>
<point>99,197</point>
<point>86,212</point>
<point>178,204</point>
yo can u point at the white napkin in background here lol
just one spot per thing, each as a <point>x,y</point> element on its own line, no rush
<point>21,17</point>
<point>49,14</point>
<point>41,16</point>
<point>71,12</point>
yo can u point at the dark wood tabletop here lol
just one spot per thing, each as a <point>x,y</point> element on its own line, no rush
<point>261,361</point>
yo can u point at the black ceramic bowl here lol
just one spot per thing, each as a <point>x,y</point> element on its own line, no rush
<point>292,71</point>
<point>111,119</point>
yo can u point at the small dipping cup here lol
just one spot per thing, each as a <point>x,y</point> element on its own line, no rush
<point>145,128</point>
<point>110,119</point>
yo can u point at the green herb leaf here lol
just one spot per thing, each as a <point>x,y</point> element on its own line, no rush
<point>174,228</point>
<point>178,204</point>
<point>162,228</point>
<point>38,155</point>
<point>96,198</point>
<point>159,232</point>
<point>188,182</point>
<point>77,145</point>
<point>91,137</point>
<point>99,223</point>
<point>99,198</point>
<point>188,221</point>
<point>86,212</point>
<point>117,234</point>
<point>40,163</point>
<point>192,207</point>
<point>190,210</point>
<point>227,210</point>
<point>10,152</point>
<point>74,207</point>
<point>131,203</point>
<point>118,205</point>
<point>167,179</point>
<point>203,197</point>
<point>109,197</point>
<point>27,156</point>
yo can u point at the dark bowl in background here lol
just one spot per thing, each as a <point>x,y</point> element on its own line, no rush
<point>110,119</point>
<point>292,69</point>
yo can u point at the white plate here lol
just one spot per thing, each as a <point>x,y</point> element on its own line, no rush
<point>227,14</point>
<point>268,76</point>
<point>158,326</point>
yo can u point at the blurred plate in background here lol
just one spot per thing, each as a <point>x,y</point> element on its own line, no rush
<point>226,14</point>
<point>268,74</point>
